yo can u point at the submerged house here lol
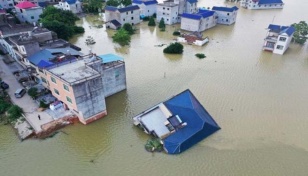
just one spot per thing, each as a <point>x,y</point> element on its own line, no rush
<point>180,122</point>
<point>71,5</point>
<point>262,4</point>
<point>226,15</point>
<point>278,38</point>
<point>117,17</point>
<point>200,21</point>
<point>147,7</point>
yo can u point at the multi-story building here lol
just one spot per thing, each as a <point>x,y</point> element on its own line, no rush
<point>7,4</point>
<point>200,21</point>
<point>171,10</point>
<point>278,38</point>
<point>70,5</point>
<point>81,83</point>
<point>147,7</point>
<point>116,17</point>
<point>262,4</point>
<point>28,12</point>
<point>226,15</point>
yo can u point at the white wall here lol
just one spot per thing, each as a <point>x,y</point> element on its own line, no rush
<point>249,4</point>
<point>170,14</point>
<point>25,15</point>
<point>284,44</point>
<point>226,17</point>
<point>131,17</point>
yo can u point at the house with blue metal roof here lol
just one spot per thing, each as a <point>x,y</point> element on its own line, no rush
<point>70,5</point>
<point>180,122</point>
<point>278,38</point>
<point>200,21</point>
<point>262,4</point>
<point>117,17</point>
<point>226,15</point>
<point>147,7</point>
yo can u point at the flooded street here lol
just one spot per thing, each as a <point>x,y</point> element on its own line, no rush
<point>259,99</point>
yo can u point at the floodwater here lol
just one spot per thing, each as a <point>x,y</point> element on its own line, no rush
<point>259,99</point>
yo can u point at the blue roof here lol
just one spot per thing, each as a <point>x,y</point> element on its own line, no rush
<point>111,8</point>
<point>191,16</point>
<point>289,30</point>
<point>70,1</point>
<point>150,2</point>
<point>116,23</point>
<point>270,1</point>
<point>42,4</point>
<point>192,1</point>
<point>106,58</point>
<point>206,13</point>
<point>41,55</point>
<point>137,2</point>
<point>128,8</point>
<point>200,124</point>
<point>43,64</point>
<point>226,9</point>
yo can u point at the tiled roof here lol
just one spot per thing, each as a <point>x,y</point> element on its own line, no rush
<point>192,1</point>
<point>116,23</point>
<point>226,9</point>
<point>199,122</point>
<point>191,16</point>
<point>111,8</point>
<point>270,1</point>
<point>128,8</point>
<point>206,13</point>
<point>25,5</point>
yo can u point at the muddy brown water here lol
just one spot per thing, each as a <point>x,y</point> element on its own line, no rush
<point>259,99</point>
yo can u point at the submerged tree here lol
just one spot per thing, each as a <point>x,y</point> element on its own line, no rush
<point>301,32</point>
<point>152,22</point>
<point>174,48</point>
<point>92,6</point>
<point>129,28</point>
<point>114,3</point>
<point>162,23</point>
<point>122,37</point>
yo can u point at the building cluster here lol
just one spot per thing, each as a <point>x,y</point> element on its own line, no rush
<point>185,12</point>
<point>80,82</point>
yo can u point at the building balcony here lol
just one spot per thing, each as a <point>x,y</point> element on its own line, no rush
<point>268,48</point>
<point>271,38</point>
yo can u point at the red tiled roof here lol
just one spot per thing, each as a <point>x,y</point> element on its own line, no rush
<point>25,5</point>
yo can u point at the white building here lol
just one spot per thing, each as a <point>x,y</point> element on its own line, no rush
<point>200,21</point>
<point>278,38</point>
<point>262,4</point>
<point>226,15</point>
<point>70,5</point>
<point>116,17</point>
<point>171,10</point>
<point>6,4</point>
<point>28,12</point>
<point>147,7</point>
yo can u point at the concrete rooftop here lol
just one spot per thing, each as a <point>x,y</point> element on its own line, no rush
<point>75,72</point>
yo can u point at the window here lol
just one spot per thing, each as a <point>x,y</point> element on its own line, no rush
<point>164,8</point>
<point>53,80</point>
<point>280,47</point>
<point>69,99</point>
<point>66,87</point>
<point>32,17</point>
<point>56,91</point>
<point>282,39</point>
<point>123,19</point>
<point>132,18</point>
<point>131,12</point>
<point>227,20</point>
<point>44,80</point>
<point>126,13</point>
<point>167,8</point>
<point>228,14</point>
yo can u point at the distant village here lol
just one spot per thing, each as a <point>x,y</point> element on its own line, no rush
<point>77,84</point>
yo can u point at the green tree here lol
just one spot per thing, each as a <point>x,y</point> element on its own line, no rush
<point>301,32</point>
<point>162,23</point>
<point>33,92</point>
<point>4,106</point>
<point>14,112</point>
<point>60,21</point>
<point>174,48</point>
<point>92,6</point>
<point>152,22</point>
<point>114,3</point>
<point>129,28</point>
<point>126,2</point>
<point>122,37</point>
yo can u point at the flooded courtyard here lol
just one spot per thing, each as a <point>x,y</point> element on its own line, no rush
<point>259,99</point>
